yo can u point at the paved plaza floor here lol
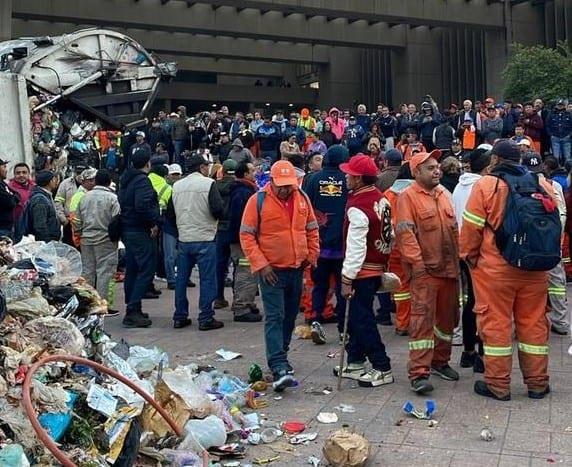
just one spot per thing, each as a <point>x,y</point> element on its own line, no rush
<point>526,432</point>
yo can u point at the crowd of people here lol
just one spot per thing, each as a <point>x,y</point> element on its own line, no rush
<point>323,211</point>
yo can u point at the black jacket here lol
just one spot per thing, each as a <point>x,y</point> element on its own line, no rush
<point>8,201</point>
<point>240,193</point>
<point>138,201</point>
<point>224,186</point>
<point>328,194</point>
<point>45,225</point>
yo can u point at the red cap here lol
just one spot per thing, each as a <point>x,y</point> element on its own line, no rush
<point>421,157</point>
<point>360,165</point>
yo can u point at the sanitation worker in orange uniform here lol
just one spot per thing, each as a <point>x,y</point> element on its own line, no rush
<point>505,295</point>
<point>427,239</point>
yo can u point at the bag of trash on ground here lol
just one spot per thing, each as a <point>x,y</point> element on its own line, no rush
<point>346,449</point>
<point>32,307</point>
<point>181,398</point>
<point>60,262</point>
<point>57,334</point>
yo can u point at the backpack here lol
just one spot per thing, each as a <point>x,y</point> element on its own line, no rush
<point>261,196</point>
<point>529,236</point>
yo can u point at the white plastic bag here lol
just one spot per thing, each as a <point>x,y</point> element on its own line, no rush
<point>203,434</point>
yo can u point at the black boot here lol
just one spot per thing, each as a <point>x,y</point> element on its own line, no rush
<point>136,320</point>
<point>467,359</point>
<point>482,389</point>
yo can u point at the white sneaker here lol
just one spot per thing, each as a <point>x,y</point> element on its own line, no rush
<point>318,333</point>
<point>351,371</point>
<point>374,378</point>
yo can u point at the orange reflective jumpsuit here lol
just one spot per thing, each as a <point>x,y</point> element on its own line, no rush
<point>402,296</point>
<point>427,239</point>
<point>504,294</point>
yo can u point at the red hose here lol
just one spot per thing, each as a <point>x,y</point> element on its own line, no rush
<point>45,436</point>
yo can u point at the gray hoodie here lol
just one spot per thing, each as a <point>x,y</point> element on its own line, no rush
<point>461,194</point>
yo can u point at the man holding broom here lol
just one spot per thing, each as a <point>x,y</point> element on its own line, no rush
<point>367,230</point>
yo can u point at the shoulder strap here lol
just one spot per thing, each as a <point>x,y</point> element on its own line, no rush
<point>260,197</point>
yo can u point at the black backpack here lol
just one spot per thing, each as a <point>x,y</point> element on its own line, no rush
<point>529,237</point>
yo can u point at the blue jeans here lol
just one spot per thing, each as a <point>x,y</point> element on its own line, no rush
<point>7,233</point>
<point>281,307</point>
<point>365,341</point>
<point>188,255</point>
<point>561,148</point>
<point>222,259</point>
<point>170,256</point>
<point>179,145</point>
<point>140,265</point>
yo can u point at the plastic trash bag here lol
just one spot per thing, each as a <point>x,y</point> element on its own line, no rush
<point>61,262</point>
<point>203,434</point>
<point>55,333</point>
<point>179,458</point>
<point>32,307</point>
<point>145,360</point>
<point>13,455</point>
<point>56,424</point>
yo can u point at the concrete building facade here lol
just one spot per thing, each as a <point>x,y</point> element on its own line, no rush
<point>288,53</point>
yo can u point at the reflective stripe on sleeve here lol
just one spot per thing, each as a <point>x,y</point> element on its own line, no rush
<point>247,229</point>
<point>474,219</point>
<point>401,297</point>
<point>313,225</point>
<point>243,262</point>
<point>557,291</point>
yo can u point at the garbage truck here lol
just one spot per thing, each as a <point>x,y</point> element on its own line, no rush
<point>101,73</point>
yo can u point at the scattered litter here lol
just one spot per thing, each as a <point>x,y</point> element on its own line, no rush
<point>227,355</point>
<point>101,400</point>
<point>345,408</point>
<point>333,353</point>
<point>277,398</point>
<point>293,428</point>
<point>303,438</point>
<point>327,390</point>
<point>303,331</point>
<point>487,434</point>
<point>568,429</point>
<point>432,423</point>
<point>314,461</point>
<point>327,417</point>
<point>346,449</point>
<point>232,464</point>
<point>254,438</point>
<point>266,461</point>
<point>254,373</point>
<point>430,407</point>
<point>259,386</point>
<point>269,435</point>
<point>399,422</point>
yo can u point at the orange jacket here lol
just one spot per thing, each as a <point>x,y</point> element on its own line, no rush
<point>483,213</point>
<point>427,235</point>
<point>407,149</point>
<point>276,240</point>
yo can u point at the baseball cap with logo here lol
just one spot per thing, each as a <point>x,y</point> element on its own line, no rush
<point>421,157</point>
<point>533,162</point>
<point>283,173</point>
<point>360,165</point>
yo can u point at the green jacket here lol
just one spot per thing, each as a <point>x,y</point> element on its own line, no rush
<point>163,190</point>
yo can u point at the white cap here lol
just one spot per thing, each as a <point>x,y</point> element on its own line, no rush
<point>175,169</point>
<point>140,133</point>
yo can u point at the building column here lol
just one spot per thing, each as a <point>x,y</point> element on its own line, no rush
<point>5,20</point>
<point>340,80</point>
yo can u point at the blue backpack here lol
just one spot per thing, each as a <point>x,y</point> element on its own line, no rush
<point>529,237</point>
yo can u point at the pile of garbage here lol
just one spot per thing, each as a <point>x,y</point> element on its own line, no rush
<point>51,342</point>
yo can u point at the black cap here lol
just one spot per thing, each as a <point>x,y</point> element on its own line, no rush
<point>506,149</point>
<point>43,177</point>
<point>533,162</point>
<point>3,161</point>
